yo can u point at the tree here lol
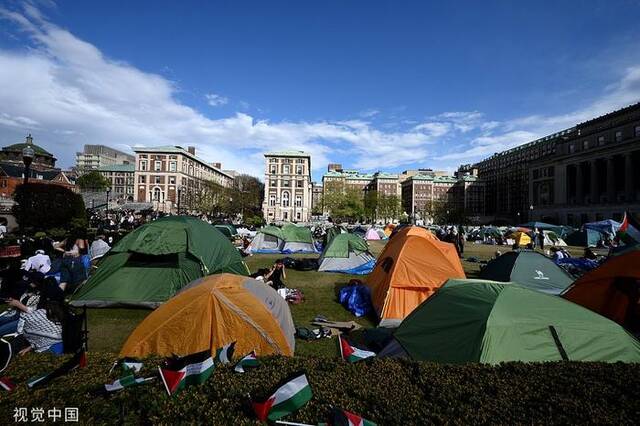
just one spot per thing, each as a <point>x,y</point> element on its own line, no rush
<point>371,205</point>
<point>93,181</point>
<point>41,206</point>
<point>388,206</point>
<point>247,194</point>
<point>342,205</point>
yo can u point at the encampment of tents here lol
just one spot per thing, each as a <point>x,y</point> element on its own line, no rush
<point>297,239</point>
<point>347,253</point>
<point>612,289</point>
<point>492,322</point>
<point>269,239</point>
<point>150,264</point>
<point>372,234</point>
<point>228,230</point>
<point>530,269</point>
<point>609,226</point>
<point>584,238</point>
<point>389,229</point>
<point>552,239</point>
<point>212,312</point>
<point>412,266</point>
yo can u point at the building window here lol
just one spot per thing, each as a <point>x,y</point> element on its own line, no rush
<point>285,183</point>
<point>285,199</point>
<point>299,184</point>
<point>272,200</point>
<point>157,166</point>
<point>157,194</point>
<point>298,201</point>
<point>143,165</point>
<point>601,140</point>
<point>572,148</point>
<point>142,179</point>
<point>156,179</point>
<point>298,215</point>
<point>173,166</point>
<point>172,180</point>
<point>585,144</point>
<point>618,136</point>
<point>299,170</point>
<point>273,169</point>
<point>273,160</point>
<point>637,131</point>
<point>286,169</point>
<point>274,183</point>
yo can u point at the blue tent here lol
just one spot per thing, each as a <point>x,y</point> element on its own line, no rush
<point>584,238</point>
<point>609,226</point>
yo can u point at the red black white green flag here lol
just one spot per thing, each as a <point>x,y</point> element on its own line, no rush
<point>351,353</point>
<point>79,360</point>
<point>225,353</point>
<point>181,372</point>
<point>629,231</point>
<point>7,384</point>
<point>346,418</point>
<point>287,398</point>
<point>128,365</point>
<point>126,382</point>
<point>249,360</point>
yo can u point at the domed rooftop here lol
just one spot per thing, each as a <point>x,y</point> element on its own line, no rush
<point>28,142</point>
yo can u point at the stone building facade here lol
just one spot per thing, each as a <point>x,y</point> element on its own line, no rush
<point>122,178</point>
<point>287,187</point>
<point>161,171</point>
<point>594,174</point>
<point>94,157</point>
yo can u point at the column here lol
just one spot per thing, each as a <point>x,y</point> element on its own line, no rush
<point>595,193</point>
<point>629,188</point>
<point>579,184</point>
<point>560,184</point>
<point>611,184</point>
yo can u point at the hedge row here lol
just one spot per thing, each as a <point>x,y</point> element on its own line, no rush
<point>382,390</point>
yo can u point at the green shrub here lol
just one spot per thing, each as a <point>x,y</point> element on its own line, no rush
<point>382,390</point>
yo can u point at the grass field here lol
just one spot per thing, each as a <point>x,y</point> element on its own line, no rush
<point>109,328</point>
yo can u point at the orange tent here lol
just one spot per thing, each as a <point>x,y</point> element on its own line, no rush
<point>413,265</point>
<point>611,289</point>
<point>389,229</point>
<point>214,311</point>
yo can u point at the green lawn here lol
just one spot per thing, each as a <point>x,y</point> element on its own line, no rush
<point>108,328</point>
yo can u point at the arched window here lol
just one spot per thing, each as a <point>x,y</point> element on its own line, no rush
<point>285,199</point>
<point>157,194</point>
<point>272,200</point>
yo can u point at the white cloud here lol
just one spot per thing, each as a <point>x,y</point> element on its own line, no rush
<point>216,100</point>
<point>369,113</point>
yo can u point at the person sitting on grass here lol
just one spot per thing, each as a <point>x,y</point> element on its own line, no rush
<point>276,276</point>
<point>41,326</point>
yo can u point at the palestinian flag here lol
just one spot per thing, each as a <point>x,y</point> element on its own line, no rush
<point>345,418</point>
<point>249,360</point>
<point>351,353</point>
<point>7,384</point>
<point>179,373</point>
<point>126,382</point>
<point>225,353</point>
<point>629,232</point>
<point>129,365</point>
<point>289,397</point>
<point>79,360</point>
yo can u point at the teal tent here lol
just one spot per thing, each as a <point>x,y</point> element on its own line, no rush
<point>492,322</point>
<point>530,269</point>
<point>151,263</point>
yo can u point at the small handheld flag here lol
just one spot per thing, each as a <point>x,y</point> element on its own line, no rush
<point>345,418</point>
<point>79,360</point>
<point>184,371</point>
<point>126,382</point>
<point>249,360</point>
<point>225,353</point>
<point>128,365</point>
<point>289,397</point>
<point>7,384</point>
<point>351,353</point>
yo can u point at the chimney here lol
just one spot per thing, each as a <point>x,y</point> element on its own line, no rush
<point>217,165</point>
<point>191,150</point>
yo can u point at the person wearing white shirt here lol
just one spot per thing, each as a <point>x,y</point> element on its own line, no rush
<point>39,262</point>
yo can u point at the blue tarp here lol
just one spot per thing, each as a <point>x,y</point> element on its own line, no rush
<point>357,299</point>
<point>609,226</point>
<point>363,269</point>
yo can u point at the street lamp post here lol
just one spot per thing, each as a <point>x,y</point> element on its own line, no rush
<point>531,212</point>
<point>27,157</point>
<point>108,192</point>
<point>179,197</point>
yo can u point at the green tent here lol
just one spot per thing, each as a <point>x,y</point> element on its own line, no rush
<point>297,239</point>
<point>150,264</point>
<point>347,253</point>
<point>530,269</point>
<point>227,229</point>
<point>268,239</point>
<point>493,322</point>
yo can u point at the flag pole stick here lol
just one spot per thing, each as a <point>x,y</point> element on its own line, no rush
<point>282,422</point>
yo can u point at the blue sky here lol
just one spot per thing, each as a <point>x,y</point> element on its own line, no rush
<point>387,85</point>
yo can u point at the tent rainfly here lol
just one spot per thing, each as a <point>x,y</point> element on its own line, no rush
<point>347,253</point>
<point>269,239</point>
<point>297,239</point>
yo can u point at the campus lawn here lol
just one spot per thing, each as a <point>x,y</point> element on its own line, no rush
<point>109,328</point>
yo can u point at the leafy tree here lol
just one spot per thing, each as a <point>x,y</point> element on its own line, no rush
<point>41,206</point>
<point>93,181</point>
<point>342,205</point>
<point>388,206</point>
<point>247,194</point>
<point>371,205</point>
